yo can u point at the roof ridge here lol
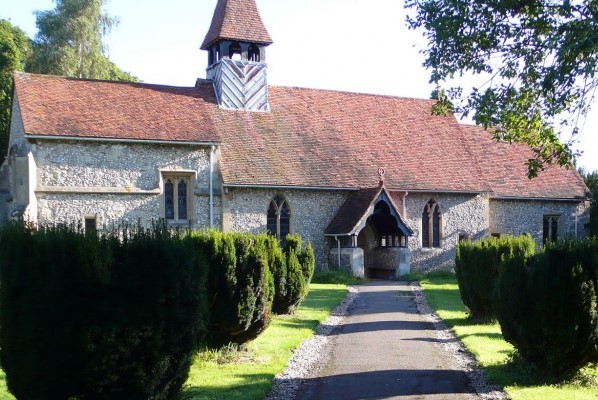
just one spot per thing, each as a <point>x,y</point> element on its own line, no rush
<point>390,96</point>
<point>92,80</point>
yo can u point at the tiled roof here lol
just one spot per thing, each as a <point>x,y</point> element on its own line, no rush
<point>55,106</point>
<point>351,212</point>
<point>503,166</point>
<point>311,138</point>
<point>347,219</point>
<point>337,139</point>
<point>237,20</point>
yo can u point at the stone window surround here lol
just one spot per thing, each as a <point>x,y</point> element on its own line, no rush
<point>95,217</point>
<point>191,175</point>
<point>288,205</point>
<point>433,248</point>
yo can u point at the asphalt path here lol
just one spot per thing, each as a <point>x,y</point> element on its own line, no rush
<point>384,349</point>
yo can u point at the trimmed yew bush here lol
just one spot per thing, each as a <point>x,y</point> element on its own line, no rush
<point>547,305</point>
<point>92,317</point>
<point>292,271</point>
<point>240,287</point>
<point>477,267</point>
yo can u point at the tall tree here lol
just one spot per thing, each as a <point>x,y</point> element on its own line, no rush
<point>591,180</point>
<point>15,50</point>
<point>69,41</point>
<point>538,58</point>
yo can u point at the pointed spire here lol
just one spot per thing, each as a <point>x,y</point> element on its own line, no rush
<point>237,20</point>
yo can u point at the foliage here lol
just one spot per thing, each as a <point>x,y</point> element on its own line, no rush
<point>538,60</point>
<point>591,181</point>
<point>477,266</point>
<point>292,274</point>
<point>69,41</point>
<point>15,50</point>
<point>117,318</point>
<point>240,287</point>
<point>547,305</point>
<point>248,374</point>
<point>519,380</point>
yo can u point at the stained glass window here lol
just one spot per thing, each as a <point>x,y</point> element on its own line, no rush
<point>279,218</point>
<point>550,228</point>
<point>182,198</point>
<point>169,199</point>
<point>431,225</point>
<point>176,198</point>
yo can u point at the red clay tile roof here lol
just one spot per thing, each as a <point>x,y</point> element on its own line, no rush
<point>55,106</point>
<point>503,165</point>
<point>337,139</point>
<point>346,220</point>
<point>237,20</point>
<point>311,138</point>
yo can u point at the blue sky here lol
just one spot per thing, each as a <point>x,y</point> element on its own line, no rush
<point>351,45</point>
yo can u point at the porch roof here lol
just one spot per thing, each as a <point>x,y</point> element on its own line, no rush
<point>353,214</point>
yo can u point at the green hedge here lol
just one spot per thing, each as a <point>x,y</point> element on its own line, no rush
<point>240,287</point>
<point>96,317</point>
<point>477,266</point>
<point>547,305</point>
<point>293,270</point>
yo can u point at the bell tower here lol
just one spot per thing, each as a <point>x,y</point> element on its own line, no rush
<point>236,44</point>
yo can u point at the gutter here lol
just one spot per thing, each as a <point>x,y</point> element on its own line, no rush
<point>338,246</point>
<point>211,186</point>
<point>233,185</point>
<point>571,199</point>
<point>113,140</point>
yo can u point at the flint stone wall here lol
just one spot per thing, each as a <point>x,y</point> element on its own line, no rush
<point>311,212</point>
<point>518,217</point>
<point>115,181</point>
<point>462,214</point>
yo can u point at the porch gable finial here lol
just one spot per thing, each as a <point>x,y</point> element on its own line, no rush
<point>381,173</point>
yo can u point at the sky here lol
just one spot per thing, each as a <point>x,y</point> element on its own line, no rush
<point>350,45</point>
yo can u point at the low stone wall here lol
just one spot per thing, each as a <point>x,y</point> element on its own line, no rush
<point>351,260</point>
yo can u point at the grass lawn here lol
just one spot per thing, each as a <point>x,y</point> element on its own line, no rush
<point>493,353</point>
<point>247,374</point>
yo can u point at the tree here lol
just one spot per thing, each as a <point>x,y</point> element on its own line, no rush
<point>538,58</point>
<point>15,50</point>
<point>591,180</point>
<point>69,41</point>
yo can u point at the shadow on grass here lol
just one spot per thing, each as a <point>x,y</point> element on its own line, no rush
<point>249,386</point>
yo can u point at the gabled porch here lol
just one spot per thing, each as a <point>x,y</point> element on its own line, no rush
<point>369,237</point>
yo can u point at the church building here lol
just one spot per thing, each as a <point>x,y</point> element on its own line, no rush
<point>377,184</point>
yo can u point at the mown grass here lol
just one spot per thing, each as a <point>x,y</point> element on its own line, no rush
<point>4,393</point>
<point>247,373</point>
<point>496,356</point>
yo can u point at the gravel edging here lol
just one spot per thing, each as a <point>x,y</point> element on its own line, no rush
<point>311,355</point>
<point>451,345</point>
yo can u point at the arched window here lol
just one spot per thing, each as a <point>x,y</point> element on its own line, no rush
<point>234,51</point>
<point>279,218</point>
<point>254,53</point>
<point>431,225</point>
<point>176,197</point>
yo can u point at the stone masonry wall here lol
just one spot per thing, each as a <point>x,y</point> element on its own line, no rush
<point>311,212</point>
<point>461,214</point>
<point>524,216</point>
<point>115,181</point>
